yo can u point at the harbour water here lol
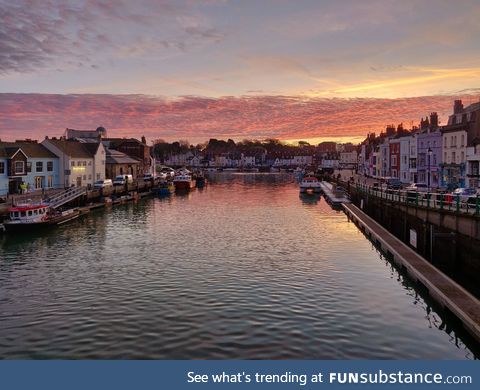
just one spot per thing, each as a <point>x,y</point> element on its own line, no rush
<point>245,268</point>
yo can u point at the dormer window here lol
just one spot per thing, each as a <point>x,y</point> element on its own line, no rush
<point>19,167</point>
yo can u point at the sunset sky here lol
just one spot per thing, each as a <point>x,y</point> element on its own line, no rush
<point>193,70</point>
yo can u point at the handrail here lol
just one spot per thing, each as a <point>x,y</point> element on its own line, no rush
<point>460,204</point>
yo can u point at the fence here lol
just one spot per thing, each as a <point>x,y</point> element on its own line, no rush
<point>466,204</point>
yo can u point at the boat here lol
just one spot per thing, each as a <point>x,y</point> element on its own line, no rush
<point>310,184</point>
<point>183,180</point>
<point>165,188</point>
<point>34,216</point>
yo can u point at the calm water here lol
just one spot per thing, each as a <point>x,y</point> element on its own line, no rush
<point>245,268</point>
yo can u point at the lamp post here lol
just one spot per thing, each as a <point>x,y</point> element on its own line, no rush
<point>429,158</point>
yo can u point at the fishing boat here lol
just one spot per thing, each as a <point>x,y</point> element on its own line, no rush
<point>165,188</point>
<point>310,184</point>
<point>34,216</point>
<point>183,180</point>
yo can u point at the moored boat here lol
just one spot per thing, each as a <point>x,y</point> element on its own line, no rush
<point>310,183</point>
<point>183,180</point>
<point>165,188</point>
<point>34,216</point>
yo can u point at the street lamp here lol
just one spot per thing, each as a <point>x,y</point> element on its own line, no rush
<point>429,158</point>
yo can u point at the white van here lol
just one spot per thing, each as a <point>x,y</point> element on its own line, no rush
<point>102,184</point>
<point>120,180</point>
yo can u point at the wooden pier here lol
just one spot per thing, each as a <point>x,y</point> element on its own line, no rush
<point>445,291</point>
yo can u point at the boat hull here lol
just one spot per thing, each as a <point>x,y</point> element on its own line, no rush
<point>24,227</point>
<point>184,185</point>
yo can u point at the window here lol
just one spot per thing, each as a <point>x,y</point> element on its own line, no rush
<point>50,181</point>
<point>463,141</point>
<point>90,163</point>
<point>84,163</point>
<point>49,166</point>
<point>98,176</point>
<point>84,177</point>
<point>89,177</point>
<point>29,167</point>
<point>463,157</point>
<point>19,167</point>
<point>453,158</point>
<point>2,168</point>
<point>445,157</point>
<point>72,163</point>
<point>39,166</point>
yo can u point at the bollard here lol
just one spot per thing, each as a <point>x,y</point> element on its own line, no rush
<point>458,203</point>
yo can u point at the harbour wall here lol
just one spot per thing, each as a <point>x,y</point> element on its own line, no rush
<point>448,240</point>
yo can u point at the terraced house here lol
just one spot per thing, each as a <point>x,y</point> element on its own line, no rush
<point>27,162</point>
<point>81,164</point>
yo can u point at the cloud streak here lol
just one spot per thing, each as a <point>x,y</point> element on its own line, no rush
<point>54,34</point>
<point>199,118</point>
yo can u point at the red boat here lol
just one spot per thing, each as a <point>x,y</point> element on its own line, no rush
<point>183,181</point>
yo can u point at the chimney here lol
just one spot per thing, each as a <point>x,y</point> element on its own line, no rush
<point>457,107</point>
<point>434,120</point>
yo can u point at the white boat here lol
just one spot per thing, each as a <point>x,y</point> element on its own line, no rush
<point>33,216</point>
<point>310,183</point>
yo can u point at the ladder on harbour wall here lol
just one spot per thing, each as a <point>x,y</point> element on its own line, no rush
<point>66,196</point>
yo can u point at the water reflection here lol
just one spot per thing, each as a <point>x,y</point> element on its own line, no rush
<point>246,268</point>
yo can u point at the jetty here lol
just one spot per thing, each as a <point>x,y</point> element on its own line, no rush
<point>333,195</point>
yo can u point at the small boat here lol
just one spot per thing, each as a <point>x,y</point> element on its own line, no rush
<point>310,184</point>
<point>34,216</point>
<point>183,180</point>
<point>165,188</point>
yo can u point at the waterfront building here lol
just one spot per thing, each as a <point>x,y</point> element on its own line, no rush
<point>118,163</point>
<point>81,163</point>
<point>349,159</point>
<point>412,163</point>
<point>405,159</point>
<point>429,152</point>
<point>473,165</point>
<point>138,150</point>
<point>454,150</point>
<point>27,162</point>
<point>394,155</point>
<point>86,135</point>
<point>384,156</point>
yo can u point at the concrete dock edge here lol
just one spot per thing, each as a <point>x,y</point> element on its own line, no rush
<point>445,291</point>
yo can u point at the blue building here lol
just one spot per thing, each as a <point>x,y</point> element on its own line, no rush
<point>27,162</point>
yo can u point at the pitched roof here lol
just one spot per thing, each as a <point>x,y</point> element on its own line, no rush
<point>116,157</point>
<point>30,149</point>
<point>75,149</point>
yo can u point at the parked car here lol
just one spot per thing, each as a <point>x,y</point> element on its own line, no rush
<point>102,184</point>
<point>468,197</point>
<point>120,180</point>
<point>393,183</point>
<point>465,192</point>
<point>148,177</point>
<point>417,187</point>
<point>170,172</point>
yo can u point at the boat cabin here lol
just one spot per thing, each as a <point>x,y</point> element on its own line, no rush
<point>29,213</point>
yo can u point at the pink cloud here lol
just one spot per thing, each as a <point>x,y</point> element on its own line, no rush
<point>199,118</point>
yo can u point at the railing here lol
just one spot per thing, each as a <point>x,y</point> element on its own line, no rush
<point>66,196</point>
<point>466,204</point>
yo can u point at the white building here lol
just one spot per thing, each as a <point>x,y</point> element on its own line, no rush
<point>349,159</point>
<point>454,147</point>
<point>405,159</point>
<point>81,164</point>
<point>412,163</point>
<point>473,166</point>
